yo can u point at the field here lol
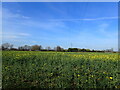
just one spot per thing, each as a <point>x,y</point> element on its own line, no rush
<point>35,69</point>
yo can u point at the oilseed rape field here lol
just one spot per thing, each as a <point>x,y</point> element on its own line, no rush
<point>36,69</point>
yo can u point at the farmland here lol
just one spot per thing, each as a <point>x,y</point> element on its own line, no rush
<point>35,69</point>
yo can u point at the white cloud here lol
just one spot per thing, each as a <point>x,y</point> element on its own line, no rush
<point>7,14</point>
<point>25,17</point>
<point>16,21</point>
<point>104,30</point>
<point>46,25</point>
<point>23,34</point>
<point>10,25</point>
<point>9,35</point>
<point>85,19</point>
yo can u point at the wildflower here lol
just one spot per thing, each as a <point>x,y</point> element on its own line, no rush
<point>111,77</point>
<point>78,75</point>
<point>104,72</point>
<point>92,76</point>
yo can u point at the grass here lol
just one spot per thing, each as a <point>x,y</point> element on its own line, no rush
<point>35,69</point>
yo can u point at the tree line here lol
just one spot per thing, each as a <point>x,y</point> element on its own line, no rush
<point>8,46</point>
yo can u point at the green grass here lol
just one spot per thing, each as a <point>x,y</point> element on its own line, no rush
<point>35,69</point>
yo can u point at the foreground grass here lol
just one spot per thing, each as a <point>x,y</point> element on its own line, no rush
<point>35,69</point>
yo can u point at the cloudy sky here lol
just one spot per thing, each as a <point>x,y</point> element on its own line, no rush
<point>84,25</point>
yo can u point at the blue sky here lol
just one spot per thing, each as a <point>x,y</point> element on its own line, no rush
<point>85,25</point>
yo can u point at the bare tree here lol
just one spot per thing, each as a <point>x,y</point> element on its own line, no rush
<point>36,47</point>
<point>26,47</point>
<point>58,48</point>
<point>48,48</point>
<point>109,50</point>
<point>7,46</point>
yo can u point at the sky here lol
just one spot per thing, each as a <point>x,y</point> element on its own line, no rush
<point>91,25</point>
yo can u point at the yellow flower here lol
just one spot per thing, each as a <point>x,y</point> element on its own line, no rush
<point>111,77</point>
<point>78,75</point>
